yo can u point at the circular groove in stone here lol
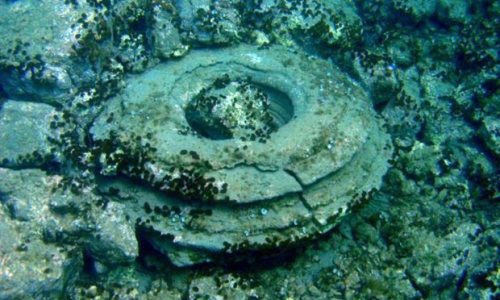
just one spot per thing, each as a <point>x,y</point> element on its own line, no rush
<point>238,108</point>
<point>281,107</point>
<point>328,148</point>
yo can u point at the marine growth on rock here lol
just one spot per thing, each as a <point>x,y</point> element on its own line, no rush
<point>239,150</point>
<point>256,149</point>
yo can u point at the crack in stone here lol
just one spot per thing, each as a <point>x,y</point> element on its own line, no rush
<point>292,173</point>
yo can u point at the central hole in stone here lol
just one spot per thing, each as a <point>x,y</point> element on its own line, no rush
<point>238,108</point>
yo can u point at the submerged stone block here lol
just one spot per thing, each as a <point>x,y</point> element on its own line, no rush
<point>243,150</point>
<point>25,132</point>
<point>30,267</point>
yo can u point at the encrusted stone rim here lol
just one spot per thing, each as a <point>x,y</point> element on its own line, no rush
<point>332,114</point>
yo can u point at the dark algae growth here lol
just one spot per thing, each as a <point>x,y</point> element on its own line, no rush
<point>256,149</point>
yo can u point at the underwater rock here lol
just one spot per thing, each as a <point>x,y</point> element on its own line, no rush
<point>26,194</point>
<point>490,133</point>
<point>167,40</point>
<point>32,268</point>
<point>25,131</point>
<point>35,61</point>
<point>286,146</point>
<point>453,11</point>
<point>325,25</point>
<point>63,47</point>
<point>115,241</point>
<point>209,22</point>
<point>429,67</point>
<point>451,257</point>
<point>29,266</point>
<point>223,287</point>
<point>416,10</point>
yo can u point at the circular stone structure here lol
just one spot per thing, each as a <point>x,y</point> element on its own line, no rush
<point>239,150</point>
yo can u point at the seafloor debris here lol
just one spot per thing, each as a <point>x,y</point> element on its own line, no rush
<point>242,149</point>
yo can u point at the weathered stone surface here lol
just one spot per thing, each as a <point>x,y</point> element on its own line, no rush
<point>30,267</point>
<point>333,196</point>
<point>236,190</point>
<point>417,10</point>
<point>264,185</point>
<point>226,287</point>
<point>24,132</point>
<point>324,134</point>
<point>431,232</point>
<point>115,241</point>
<point>37,65</point>
<point>52,50</point>
<point>453,11</point>
<point>490,132</point>
<point>451,258</point>
<point>193,232</point>
<point>27,193</point>
<point>210,22</point>
<point>166,36</point>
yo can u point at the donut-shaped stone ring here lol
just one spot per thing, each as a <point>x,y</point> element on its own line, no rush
<point>237,150</point>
